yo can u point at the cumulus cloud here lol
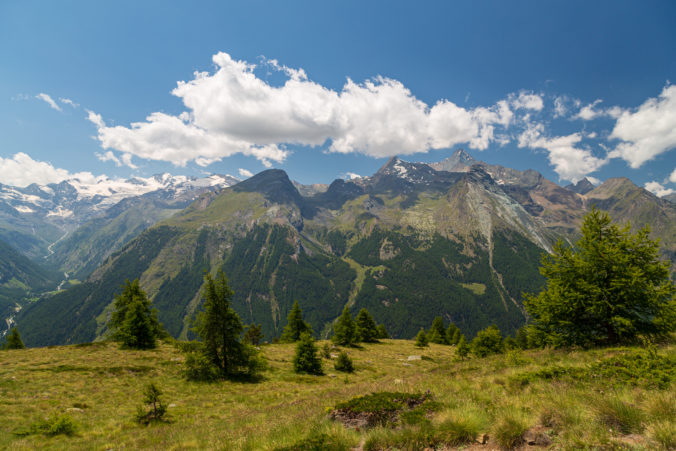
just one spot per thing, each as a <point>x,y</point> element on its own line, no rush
<point>123,160</point>
<point>49,101</point>
<point>648,131</point>
<point>589,112</point>
<point>245,173</point>
<point>569,159</point>
<point>658,189</point>
<point>232,111</point>
<point>21,170</point>
<point>672,177</point>
<point>528,101</point>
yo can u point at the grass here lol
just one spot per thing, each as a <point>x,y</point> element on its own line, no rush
<point>98,388</point>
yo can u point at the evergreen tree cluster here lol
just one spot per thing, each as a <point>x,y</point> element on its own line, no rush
<point>348,331</point>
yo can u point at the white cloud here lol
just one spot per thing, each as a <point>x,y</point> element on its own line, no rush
<point>560,108</point>
<point>233,111</point>
<point>528,101</point>
<point>47,99</point>
<point>647,132</point>
<point>245,173</point>
<point>569,160</point>
<point>672,177</point>
<point>589,112</point>
<point>109,156</point>
<point>67,101</point>
<point>21,170</point>
<point>658,189</point>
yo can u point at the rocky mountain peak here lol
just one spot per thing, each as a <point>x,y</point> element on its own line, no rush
<point>460,161</point>
<point>274,184</point>
<point>581,187</point>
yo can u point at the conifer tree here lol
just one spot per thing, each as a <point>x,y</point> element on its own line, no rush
<point>462,349</point>
<point>152,399</point>
<point>610,288</point>
<point>306,359</point>
<point>344,363</point>
<point>451,334</point>
<point>295,325</point>
<point>456,337</point>
<point>437,333</point>
<point>14,340</point>
<point>488,341</point>
<point>219,327</point>
<point>421,339</point>
<point>253,334</point>
<point>366,330</point>
<point>382,331</point>
<point>344,329</point>
<point>133,321</point>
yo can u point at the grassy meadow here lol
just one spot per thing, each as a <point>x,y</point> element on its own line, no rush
<point>552,399</point>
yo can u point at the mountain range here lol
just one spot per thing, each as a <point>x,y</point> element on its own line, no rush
<point>459,238</point>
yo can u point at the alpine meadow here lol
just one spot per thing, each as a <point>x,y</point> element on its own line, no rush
<point>363,226</point>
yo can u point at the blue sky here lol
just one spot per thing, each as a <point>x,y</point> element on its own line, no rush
<point>325,89</point>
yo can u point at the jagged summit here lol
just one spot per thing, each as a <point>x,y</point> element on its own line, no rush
<point>460,161</point>
<point>581,187</point>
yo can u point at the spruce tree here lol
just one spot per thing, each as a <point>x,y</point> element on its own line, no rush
<point>295,325</point>
<point>366,330</point>
<point>451,334</point>
<point>382,331</point>
<point>488,341</point>
<point>253,334</point>
<point>306,359</point>
<point>437,333</point>
<point>344,329</point>
<point>219,327</point>
<point>133,321</point>
<point>344,363</point>
<point>462,349</point>
<point>421,339</point>
<point>14,340</point>
<point>456,337</point>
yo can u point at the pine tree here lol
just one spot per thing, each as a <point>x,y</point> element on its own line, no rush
<point>219,327</point>
<point>306,359</point>
<point>152,399</point>
<point>134,322</point>
<point>437,333</point>
<point>421,339</point>
<point>344,329</point>
<point>451,334</point>
<point>14,340</point>
<point>462,349</point>
<point>366,330</point>
<point>253,334</point>
<point>344,363</point>
<point>295,325</point>
<point>521,337</point>
<point>382,331</point>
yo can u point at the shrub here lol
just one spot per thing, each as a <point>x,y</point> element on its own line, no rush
<point>618,415</point>
<point>326,351</point>
<point>460,430</point>
<point>344,363</point>
<point>488,342</point>
<point>638,368</point>
<point>508,430</point>
<point>152,400</point>
<point>377,408</point>
<point>54,425</point>
<point>253,334</point>
<point>199,368</point>
<point>306,359</point>
<point>462,350</point>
